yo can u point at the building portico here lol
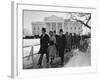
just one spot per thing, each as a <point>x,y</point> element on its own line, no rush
<point>54,23</point>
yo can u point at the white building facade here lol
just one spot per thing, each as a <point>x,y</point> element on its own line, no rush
<point>54,23</point>
<point>73,27</point>
<point>36,28</point>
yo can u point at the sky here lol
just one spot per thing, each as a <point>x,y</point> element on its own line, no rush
<point>34,16</point>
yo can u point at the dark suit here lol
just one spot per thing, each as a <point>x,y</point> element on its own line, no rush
<point>57,42</point>
<point>61,47</point>
<point>44,40</point>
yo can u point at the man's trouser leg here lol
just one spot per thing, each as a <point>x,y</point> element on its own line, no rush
<point>62,56</point>
<point>62,59</point>
<point>47,57</point>
<point>40,59</point>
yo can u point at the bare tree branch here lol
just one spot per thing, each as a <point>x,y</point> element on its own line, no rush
<point>88,19</point>
<point>84,24</point>
<point>78,20</point>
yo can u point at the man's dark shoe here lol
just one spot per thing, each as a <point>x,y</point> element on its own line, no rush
<point>38,64</point>
<point>62,64</point>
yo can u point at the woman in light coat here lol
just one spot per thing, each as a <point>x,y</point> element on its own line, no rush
<point>52,47</point>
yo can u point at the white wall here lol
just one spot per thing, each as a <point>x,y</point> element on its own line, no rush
<point>5,40</point>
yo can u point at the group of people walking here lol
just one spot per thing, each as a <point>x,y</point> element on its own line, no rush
<point>52,45</point>
<point>72,41</point>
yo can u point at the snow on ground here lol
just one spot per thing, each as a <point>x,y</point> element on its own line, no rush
<point>29,44</point>
<point>78,59</point>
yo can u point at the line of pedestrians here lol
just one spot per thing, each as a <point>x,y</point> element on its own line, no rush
<point>54,45</point>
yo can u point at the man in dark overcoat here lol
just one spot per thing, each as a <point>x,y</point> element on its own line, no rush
<point>61,46</point>
<point>44,40</point>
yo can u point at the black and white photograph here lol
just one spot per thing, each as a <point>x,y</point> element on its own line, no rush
<point>55,39</point>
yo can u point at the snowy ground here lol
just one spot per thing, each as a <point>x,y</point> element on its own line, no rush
<point>78,59</point>
<point>29,44</point>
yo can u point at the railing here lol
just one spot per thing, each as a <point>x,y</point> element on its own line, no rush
<point>31,53</point>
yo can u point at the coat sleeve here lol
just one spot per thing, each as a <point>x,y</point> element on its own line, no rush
<point>47,38</point>
<point>64,41</point>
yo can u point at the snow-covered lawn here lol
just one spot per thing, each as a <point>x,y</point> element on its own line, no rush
<point>29,44</point>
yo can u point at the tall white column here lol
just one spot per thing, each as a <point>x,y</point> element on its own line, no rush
<point>51,26</point>
<point>56,26</point>
<point>63,27</point>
